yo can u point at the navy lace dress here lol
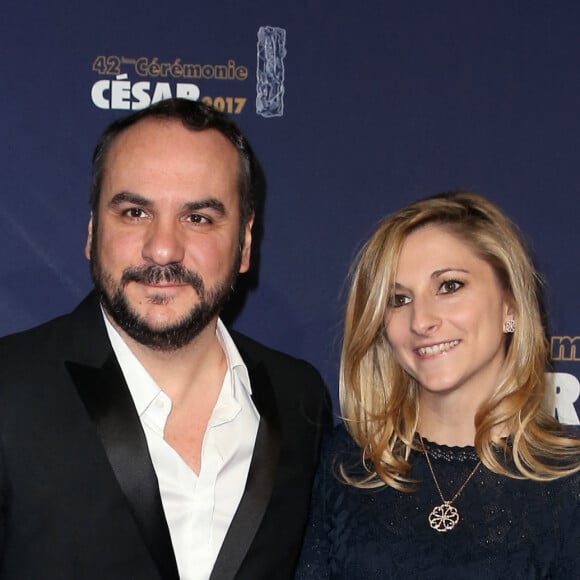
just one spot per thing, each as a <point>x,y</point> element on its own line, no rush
<point>509,529</point>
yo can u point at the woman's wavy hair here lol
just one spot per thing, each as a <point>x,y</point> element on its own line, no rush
<point>379,400</point>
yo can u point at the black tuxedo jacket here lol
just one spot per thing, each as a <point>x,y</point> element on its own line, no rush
<point>78,494</point>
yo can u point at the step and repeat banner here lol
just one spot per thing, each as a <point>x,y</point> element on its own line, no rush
<point>353,111</point>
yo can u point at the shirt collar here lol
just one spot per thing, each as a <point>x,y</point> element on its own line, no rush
<point>142,386</point>
<point>236,363</point>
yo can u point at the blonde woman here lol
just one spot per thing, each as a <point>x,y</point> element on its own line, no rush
<point>448,465</point>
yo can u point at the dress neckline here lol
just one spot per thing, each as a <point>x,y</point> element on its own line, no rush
<point>450,452</point>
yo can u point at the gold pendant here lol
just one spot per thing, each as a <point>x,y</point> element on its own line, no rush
<point>444,517</point>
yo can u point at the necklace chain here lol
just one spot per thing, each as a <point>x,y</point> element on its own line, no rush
<point>445,517</point>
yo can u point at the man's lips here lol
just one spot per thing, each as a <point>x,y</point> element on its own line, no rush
<point>165,285</point>
<point>163,277</point>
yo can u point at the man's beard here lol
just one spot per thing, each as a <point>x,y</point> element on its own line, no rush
<point>174,336</point>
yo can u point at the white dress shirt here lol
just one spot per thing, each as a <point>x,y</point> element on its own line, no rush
<point>199,508</point>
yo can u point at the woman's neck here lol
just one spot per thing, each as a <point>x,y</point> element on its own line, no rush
<point>446,420</point>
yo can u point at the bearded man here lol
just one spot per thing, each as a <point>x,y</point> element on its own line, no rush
<point>139,437</point>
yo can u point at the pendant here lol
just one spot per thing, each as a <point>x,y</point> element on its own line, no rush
<point>444,517</point>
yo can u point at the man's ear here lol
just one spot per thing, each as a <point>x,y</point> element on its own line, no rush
<point>89,238</point>
<point>247,245</point>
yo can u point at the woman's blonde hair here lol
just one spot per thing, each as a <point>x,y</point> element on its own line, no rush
<point>379,400</point>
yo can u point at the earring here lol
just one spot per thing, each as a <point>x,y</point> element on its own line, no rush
<point>509,326</point>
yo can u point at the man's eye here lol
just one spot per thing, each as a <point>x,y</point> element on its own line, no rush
<point>399,300</point>
<point>135,213</point>
<point>196,218</point>
<point>450,286</point>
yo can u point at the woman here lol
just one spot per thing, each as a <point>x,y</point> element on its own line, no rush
<point>449,466</point>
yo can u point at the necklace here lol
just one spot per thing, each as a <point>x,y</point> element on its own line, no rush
<point>444,517</point>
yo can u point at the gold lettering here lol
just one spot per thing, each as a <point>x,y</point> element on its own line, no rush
<point>151,67</point>
<point>192,71</point>
<point>565,348</point>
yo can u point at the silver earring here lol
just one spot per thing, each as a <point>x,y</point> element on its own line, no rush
<point>509,326</point>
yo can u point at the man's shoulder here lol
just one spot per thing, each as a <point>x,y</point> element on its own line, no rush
<point>258,352</point>
<point>31,358</point>
<point>295,383</point>
<point>60,333</point>
<point>37,334</point>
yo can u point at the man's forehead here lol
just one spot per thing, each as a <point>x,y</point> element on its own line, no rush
<point>151,148</point>
<point>155,127</point>
<point>154,137</point>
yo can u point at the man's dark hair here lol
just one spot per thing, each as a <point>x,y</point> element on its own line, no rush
<point>194,115</point>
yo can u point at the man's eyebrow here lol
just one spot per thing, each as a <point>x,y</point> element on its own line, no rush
<point>135,198</point>
<point>210,203</point>
<point>127,197</point>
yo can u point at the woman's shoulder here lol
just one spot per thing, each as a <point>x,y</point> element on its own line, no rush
<point>340,453</point>
<point>339,441</point>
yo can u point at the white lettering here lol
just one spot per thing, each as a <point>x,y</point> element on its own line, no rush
<point>566,393</point>
<point>122,94</point>
<point>187,91</point>
<point>140,92</point>
<point>98,94</point>
<point>162,91</point>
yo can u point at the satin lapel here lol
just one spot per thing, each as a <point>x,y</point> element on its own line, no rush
<point>110,406</point>
<point>260,483</point>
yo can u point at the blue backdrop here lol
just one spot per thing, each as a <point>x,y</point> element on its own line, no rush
<point>353,111</point>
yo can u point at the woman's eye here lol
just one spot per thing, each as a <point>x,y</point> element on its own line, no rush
<point>450,286</point>
<point>399,300</point>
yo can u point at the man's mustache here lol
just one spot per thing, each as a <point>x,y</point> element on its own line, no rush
<point>170,274</point>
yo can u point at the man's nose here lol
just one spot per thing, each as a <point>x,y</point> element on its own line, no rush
<point>163,244</point>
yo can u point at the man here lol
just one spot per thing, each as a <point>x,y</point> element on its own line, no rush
<point>139,439</point>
